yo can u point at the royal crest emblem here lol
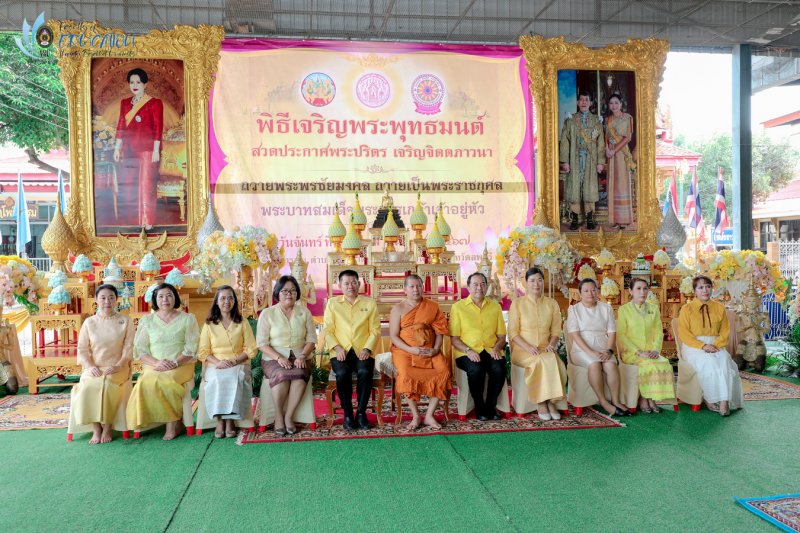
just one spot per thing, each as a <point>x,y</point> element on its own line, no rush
<point>373,90</point>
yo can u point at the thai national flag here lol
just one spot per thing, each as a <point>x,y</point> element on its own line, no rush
<point>672,197</point>
<point>694,208</point>
<point>721,221</point>
<point>689,209</point>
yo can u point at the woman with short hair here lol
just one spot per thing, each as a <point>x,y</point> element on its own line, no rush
<point>286,337</point>
<point>592,330</point>
<point>166,342</point>
<point>534,329</point>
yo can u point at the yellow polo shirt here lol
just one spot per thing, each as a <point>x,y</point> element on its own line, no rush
<point>353,325</point>
<point>478,327</point>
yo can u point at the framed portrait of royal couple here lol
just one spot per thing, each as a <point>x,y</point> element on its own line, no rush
<point>596,151</point>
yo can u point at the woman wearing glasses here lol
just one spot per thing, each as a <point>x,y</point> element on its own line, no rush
<point>286,338</point>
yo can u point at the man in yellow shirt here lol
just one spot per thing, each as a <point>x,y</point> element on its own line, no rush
<point>478,336</point>
<point>352,331</point>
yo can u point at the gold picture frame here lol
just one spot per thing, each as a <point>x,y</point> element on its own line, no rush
<point>645,58</point>
<point>197,49</point>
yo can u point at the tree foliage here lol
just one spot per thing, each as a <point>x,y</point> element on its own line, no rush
<point>774,165</point>
<point>33,106</point>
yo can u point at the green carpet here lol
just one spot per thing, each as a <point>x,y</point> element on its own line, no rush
<point>666,472</point>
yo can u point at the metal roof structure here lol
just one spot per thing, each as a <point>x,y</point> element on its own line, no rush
<point>770,26</point>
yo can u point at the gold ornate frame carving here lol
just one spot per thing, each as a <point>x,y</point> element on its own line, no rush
<point>198,48</point>
<point>545,57</point>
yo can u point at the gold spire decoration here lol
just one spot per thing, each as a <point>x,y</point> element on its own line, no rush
<point>57,240</point>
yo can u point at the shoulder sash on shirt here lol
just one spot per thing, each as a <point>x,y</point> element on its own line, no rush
<point>135,109</point>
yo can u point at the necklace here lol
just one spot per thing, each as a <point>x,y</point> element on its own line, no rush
<point>137,98</point>
<point>641,309</point>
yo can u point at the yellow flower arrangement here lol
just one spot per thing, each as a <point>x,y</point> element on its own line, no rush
<point>747,265</point>
<point>605,259</point>
<point>585,271</point>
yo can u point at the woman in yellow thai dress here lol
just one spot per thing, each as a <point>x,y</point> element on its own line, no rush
<point>640,335</point>
<point>703,329</point>
<point>534,329</point>
<point>105,347</point>
<point>619,130</point>
<point>166,342</point>
<point>227,345</point>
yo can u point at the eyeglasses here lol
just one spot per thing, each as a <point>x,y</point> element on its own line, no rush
<point>288,292</point>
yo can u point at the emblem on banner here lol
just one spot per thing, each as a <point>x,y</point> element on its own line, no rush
<point>428,93</point>
<point>318,89</point>
<point>373,90</point>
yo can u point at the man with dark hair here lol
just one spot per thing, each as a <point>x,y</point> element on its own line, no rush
<point>478,336</point>
<point>352,331</point>
<point>582,156</point>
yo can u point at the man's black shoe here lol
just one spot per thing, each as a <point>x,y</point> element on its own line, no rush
<point>361,421</point>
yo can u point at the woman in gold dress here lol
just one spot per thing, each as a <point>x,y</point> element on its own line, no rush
<point>534,329</point>
<point>166,342</point>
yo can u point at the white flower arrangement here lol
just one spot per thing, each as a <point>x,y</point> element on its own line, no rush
<point>58,296</point>
<point>605,259</point>
<point>609,288</point>
<point>661,259</point>
<point>148,295</point>
<point>652,298</point>
<point>81,264</point>
<point>57,279</point>
<point>175,278</point>
<point>150,263</point>
<point>536,246</point>
<point>686,286</point>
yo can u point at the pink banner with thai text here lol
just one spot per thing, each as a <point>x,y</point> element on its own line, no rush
<point>298,126</point>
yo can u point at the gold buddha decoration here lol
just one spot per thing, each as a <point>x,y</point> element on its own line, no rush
<point>299,269</point>
<point>493,289</point>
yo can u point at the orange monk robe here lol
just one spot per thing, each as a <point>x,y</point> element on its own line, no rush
<point>422,375</point>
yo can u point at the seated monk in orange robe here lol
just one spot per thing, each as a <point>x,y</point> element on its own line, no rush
<point>416,326</point>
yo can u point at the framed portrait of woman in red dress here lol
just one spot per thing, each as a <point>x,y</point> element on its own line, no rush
<point>138,121</point>
<point>139,145</point>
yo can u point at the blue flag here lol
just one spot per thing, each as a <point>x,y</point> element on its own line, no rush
<point>21,216</point>
<point>61,193</point>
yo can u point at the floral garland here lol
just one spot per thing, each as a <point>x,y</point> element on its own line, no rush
<point>229,251</point>
<point>18,282</point>
<point>538,246</point>
<point>746,265</point>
